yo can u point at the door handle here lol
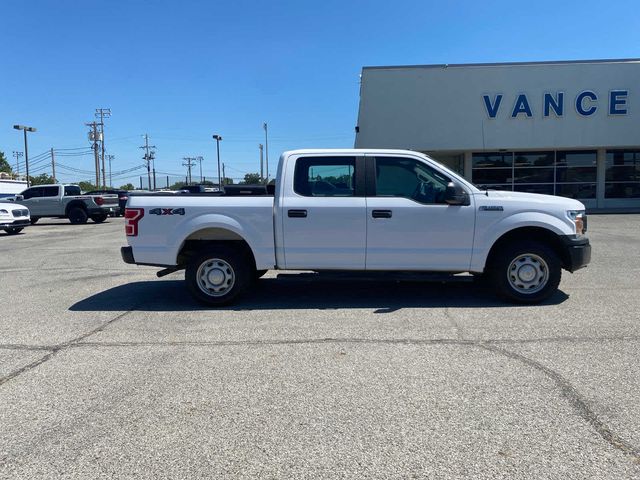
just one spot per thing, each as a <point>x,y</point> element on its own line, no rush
<point>297,213</point>
<point>381,213</point>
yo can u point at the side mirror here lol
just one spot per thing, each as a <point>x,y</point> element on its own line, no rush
<point>456,195</point>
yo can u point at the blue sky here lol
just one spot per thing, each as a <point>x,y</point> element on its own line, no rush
<point>183,70</point>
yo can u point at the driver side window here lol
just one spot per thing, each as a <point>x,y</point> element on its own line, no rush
<point>409,178</point>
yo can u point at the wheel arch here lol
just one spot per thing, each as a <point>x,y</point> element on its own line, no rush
<point>530,233</point>
<point>74,204</point>
<point>211,236</point>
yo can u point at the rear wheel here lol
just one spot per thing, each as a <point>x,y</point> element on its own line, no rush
<point>99,218</point>
<point>77,216</point>
<point>13,230</point>
<point>217,275</point>
<point>528,272</point>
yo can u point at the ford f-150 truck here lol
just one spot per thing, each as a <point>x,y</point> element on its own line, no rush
<point>360,211</point>
<point>66,201</point>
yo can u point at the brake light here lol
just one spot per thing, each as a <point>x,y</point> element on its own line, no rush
<point>98,200</point>
<point>131,218</point>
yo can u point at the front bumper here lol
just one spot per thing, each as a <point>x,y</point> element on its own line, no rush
<point>23,222</point>
<point>127,254</point>
<point>577,252</point>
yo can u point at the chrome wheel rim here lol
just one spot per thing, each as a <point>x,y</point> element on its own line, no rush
<point>528,273</point>
<point>215,277</point>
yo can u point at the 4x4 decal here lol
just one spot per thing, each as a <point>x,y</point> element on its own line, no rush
<point>167,211</point>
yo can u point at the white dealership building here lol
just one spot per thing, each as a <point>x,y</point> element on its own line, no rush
<point>564,128</point>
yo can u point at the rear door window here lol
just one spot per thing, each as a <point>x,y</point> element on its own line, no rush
<point>71,190</point>
<point>325,177</point>
<point>50,191</point>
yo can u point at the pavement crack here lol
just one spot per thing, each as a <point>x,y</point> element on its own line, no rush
<point>53,350</point>
<point>578,402</point>
<point>454,323</point>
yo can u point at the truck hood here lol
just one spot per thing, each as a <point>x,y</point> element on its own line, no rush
<point>536,200</point>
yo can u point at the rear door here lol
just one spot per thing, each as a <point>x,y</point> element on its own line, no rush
<point>409,226</point>
<point>50,201</point>
<point>324,213</point>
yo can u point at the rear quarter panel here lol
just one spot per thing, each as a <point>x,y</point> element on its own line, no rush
<point>160,237</point>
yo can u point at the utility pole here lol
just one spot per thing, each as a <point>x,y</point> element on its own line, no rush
<point>266,149</point>
<point>17,156</point>
<point>110,157</point>
<point>189,163</point>
<point>261,147</point>
<point>103,113</point>
<point>93,137</point>
<point>149,155</point>
<point>224,176</point>
<point>53,166</point>
<point>200,159</point>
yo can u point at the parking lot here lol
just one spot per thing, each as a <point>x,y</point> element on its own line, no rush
<point>107,371</point>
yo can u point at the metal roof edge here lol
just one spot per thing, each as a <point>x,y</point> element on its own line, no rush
<point>504,64</point>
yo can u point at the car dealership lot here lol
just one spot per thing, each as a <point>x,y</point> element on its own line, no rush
<point>106,371</point>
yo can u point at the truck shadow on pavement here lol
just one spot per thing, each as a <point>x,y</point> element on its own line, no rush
<point>302,294</point>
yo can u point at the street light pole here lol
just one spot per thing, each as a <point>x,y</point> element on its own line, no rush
<point>218,138</point>
<point>266,150</point>
<point>26,148</point>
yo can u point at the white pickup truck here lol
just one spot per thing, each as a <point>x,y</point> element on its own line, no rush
<point>360,211</point>
<point>66,201</point>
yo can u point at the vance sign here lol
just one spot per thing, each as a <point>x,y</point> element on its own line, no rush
<point>585,103</point>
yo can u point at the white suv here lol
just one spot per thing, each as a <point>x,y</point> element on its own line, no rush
<point>13,217</point>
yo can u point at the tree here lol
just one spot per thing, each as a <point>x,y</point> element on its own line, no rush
<point>251,179</point>
<point>227,181</point>
<point>42,179</point>
<point>4,164</point>
<point>87,186</point>
<point>127,186</point>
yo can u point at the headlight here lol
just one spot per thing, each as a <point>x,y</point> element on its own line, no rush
<point>4,212</point>
<point>580,219</point>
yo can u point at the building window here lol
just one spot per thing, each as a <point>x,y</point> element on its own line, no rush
<point>568,173</point>
<point>622,178</point>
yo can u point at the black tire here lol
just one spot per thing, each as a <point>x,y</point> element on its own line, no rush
<point>99,218</point>
<point>34,220</point>
<point>230,271</point>
<point>526,272</point>
<point>78,216</point>
<point>13,230</point>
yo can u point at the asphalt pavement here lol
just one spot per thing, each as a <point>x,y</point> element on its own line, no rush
<point>108,372</point>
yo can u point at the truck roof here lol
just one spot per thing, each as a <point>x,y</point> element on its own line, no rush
<point>342,151</point>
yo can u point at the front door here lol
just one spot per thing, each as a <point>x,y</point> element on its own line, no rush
<point>324,214</point>
<point>32,197</point>
<point>409,226</point>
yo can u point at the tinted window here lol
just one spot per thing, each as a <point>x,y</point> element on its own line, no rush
<point>325,176</point>
<point>50,192</point>
<point>71,190</point>
<point>32,193</point>
<point>409,178</point>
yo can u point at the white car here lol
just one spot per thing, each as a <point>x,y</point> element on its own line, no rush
<point>14,217</point>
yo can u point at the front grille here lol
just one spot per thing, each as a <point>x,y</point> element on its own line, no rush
<point>21,213</point>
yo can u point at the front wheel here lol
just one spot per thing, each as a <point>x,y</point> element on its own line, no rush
<point>218,275</point>
<point>34,220</point>
<point>528,272</point>
<point>13,230</point>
